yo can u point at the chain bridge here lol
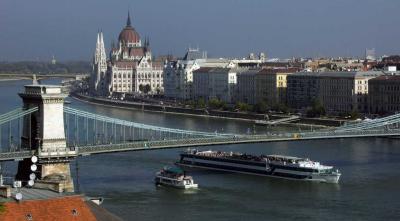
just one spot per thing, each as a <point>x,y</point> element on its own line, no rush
<point>56,134</point>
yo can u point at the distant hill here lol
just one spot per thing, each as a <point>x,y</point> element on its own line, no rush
<point>32,67</point>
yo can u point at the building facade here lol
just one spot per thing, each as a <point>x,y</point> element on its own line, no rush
<point>384,95</point>
<point>130,68</point>
<point>178,74</point>
<point>339,92</point>
<point>214,83</point>
<point>271,86</point>
<point>246,86</point>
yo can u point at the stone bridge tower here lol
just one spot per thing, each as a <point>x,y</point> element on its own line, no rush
<point>44,132</point>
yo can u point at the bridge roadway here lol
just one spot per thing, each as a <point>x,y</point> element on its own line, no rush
<point>208,141</point>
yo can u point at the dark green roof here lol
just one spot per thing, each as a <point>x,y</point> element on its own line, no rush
<point>176,170</point>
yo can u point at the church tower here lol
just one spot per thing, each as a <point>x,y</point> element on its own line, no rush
<point>99,66</point>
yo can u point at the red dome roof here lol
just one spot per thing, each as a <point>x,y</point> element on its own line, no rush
<point>129,35</point>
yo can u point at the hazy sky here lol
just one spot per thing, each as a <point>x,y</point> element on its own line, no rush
<point>37,29</point>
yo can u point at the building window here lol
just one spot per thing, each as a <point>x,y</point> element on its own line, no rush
<point>29,216</point>
<point>74,212</point>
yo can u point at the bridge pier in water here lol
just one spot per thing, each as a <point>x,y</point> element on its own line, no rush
<point>43,132</point>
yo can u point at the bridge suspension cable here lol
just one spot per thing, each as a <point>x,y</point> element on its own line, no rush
<point>92,133</point>
<point>11,113</point>
<point>138,125</point>
<point>380,122</point>
<point>11,129</point>
<point>15,114</point>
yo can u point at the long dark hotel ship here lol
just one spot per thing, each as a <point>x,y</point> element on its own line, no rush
<point>265,165</point>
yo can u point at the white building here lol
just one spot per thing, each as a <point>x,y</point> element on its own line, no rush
<point>178,75</point>
<point>130,68</point>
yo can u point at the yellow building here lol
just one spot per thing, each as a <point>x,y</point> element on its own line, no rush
<point>281,86</point>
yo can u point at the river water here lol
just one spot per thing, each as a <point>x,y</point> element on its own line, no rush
<point>369,188</point>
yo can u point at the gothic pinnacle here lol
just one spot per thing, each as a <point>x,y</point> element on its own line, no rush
<point>128,21</point>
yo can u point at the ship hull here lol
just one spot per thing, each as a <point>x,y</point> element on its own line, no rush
<point>255,168</point>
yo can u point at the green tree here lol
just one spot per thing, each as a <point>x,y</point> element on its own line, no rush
<point>191,103</point>
<point>201,103</point>
<point>31,67</point>
<point>243,107</point>
<point>224,106</point>
<point>317,109</point>
<point>354,114</point>
<point>147,88</point>
<point>261,107</point>
<point>283,108</point>
<point>214,103</point>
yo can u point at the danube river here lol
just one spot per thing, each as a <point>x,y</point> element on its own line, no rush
<point>368,189</point>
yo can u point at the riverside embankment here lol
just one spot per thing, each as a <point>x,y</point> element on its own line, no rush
<point>202,112</point>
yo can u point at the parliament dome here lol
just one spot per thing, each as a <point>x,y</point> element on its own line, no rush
<point>129,34</point>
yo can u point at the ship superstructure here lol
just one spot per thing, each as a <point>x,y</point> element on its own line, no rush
<point>265,165</point>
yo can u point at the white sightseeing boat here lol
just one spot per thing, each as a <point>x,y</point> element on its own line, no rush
<point>175,177</point>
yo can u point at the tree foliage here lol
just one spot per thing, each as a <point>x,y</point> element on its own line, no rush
<point>217,104</point>
<point>317,109</point>
<point>31,67</point>
<point>200,103</point>
<point>146,88</point>
<point>243,107</point>
<point>281,108</point>
<point>261,107</point>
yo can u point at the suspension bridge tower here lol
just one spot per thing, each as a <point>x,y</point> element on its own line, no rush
<point>43,132</point>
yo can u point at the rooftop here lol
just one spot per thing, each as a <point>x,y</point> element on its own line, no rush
<point>249,72</point>
<point>212,70</point>
<point>39,204</point>
<point>387,78</point>
<point>341,74</point>
<point>60,208</point>
<point>285,157</point>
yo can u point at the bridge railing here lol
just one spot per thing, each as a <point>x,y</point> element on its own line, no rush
<point>142,145</point>
<point>58,152</point>
<point>16,155</point>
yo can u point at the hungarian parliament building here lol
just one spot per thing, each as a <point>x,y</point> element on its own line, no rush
<point>130,68</point>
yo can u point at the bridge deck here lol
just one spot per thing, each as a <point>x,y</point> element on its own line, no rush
<point>149,145</point>
<point>208,141</point>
